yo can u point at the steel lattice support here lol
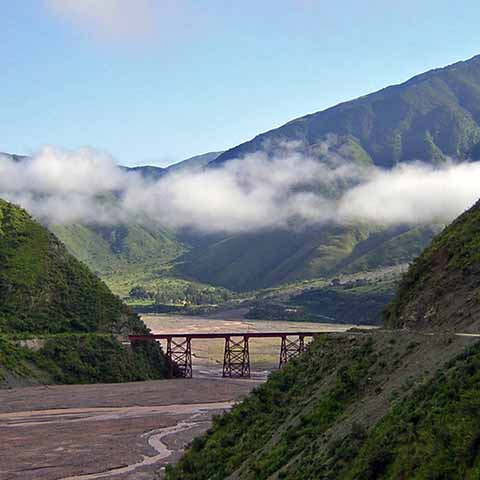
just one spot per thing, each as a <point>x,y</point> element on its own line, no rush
<point>236,360</point>
<point>290,349</point>
<point>179,355</point>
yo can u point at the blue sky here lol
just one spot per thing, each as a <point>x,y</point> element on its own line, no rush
<point>156,81</point>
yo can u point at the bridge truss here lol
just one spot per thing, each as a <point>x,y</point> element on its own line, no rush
<point>290,349</point>
<point>236,358</point>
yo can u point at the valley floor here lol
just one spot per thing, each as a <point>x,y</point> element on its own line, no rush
<point>110,431</point>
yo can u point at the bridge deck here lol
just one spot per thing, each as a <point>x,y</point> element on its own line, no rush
<point>166,336</point>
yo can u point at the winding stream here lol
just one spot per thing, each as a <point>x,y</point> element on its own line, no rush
<point>155,441</point>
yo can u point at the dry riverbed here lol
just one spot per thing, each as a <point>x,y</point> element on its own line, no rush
<point>121,431</point>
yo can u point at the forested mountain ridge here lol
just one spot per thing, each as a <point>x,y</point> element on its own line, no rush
<point>432,116</point>
<point>152,172</point>
<point>44,289</point>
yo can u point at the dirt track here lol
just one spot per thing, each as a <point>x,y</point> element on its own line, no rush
<point>121,431</point>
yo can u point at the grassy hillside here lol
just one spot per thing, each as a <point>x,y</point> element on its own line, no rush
<point>43,291</point>
<point>429,117</point>
<point>123,255</point>
<point>440,290</point>
<point>433,434</point>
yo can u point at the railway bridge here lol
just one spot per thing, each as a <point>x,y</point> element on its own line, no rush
<point>236,358</point>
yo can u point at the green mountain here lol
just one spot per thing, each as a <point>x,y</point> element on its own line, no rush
<point>137,253</point>
<point>385,405</point>
<point>46,292</point>
<point>151,172</point>
<point>429,117</point>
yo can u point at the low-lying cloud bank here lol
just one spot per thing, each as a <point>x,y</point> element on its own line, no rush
<point>289,190</point>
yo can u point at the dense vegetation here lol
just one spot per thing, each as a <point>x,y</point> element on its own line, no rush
<point>43,291</point>
<point>79,358</point>
<point>362,304</point>
<point>358,302</point>
<point>178,292</point>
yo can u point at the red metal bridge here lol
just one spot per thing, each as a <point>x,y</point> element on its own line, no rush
<point>236,358</point>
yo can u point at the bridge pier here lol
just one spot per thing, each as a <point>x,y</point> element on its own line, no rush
<point>290,349</point>
<point>179,355</point>
<point>236,359</point>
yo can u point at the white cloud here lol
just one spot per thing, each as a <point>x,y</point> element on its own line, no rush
<point>289,190</point>
<point>413,193</point>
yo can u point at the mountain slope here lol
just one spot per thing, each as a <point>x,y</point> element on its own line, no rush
<point>117,252</point>
<point>151,172</point>
<point>45,289</point>
<point>147,171</point>
<point>441,288</point>
<point>431,116</point>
